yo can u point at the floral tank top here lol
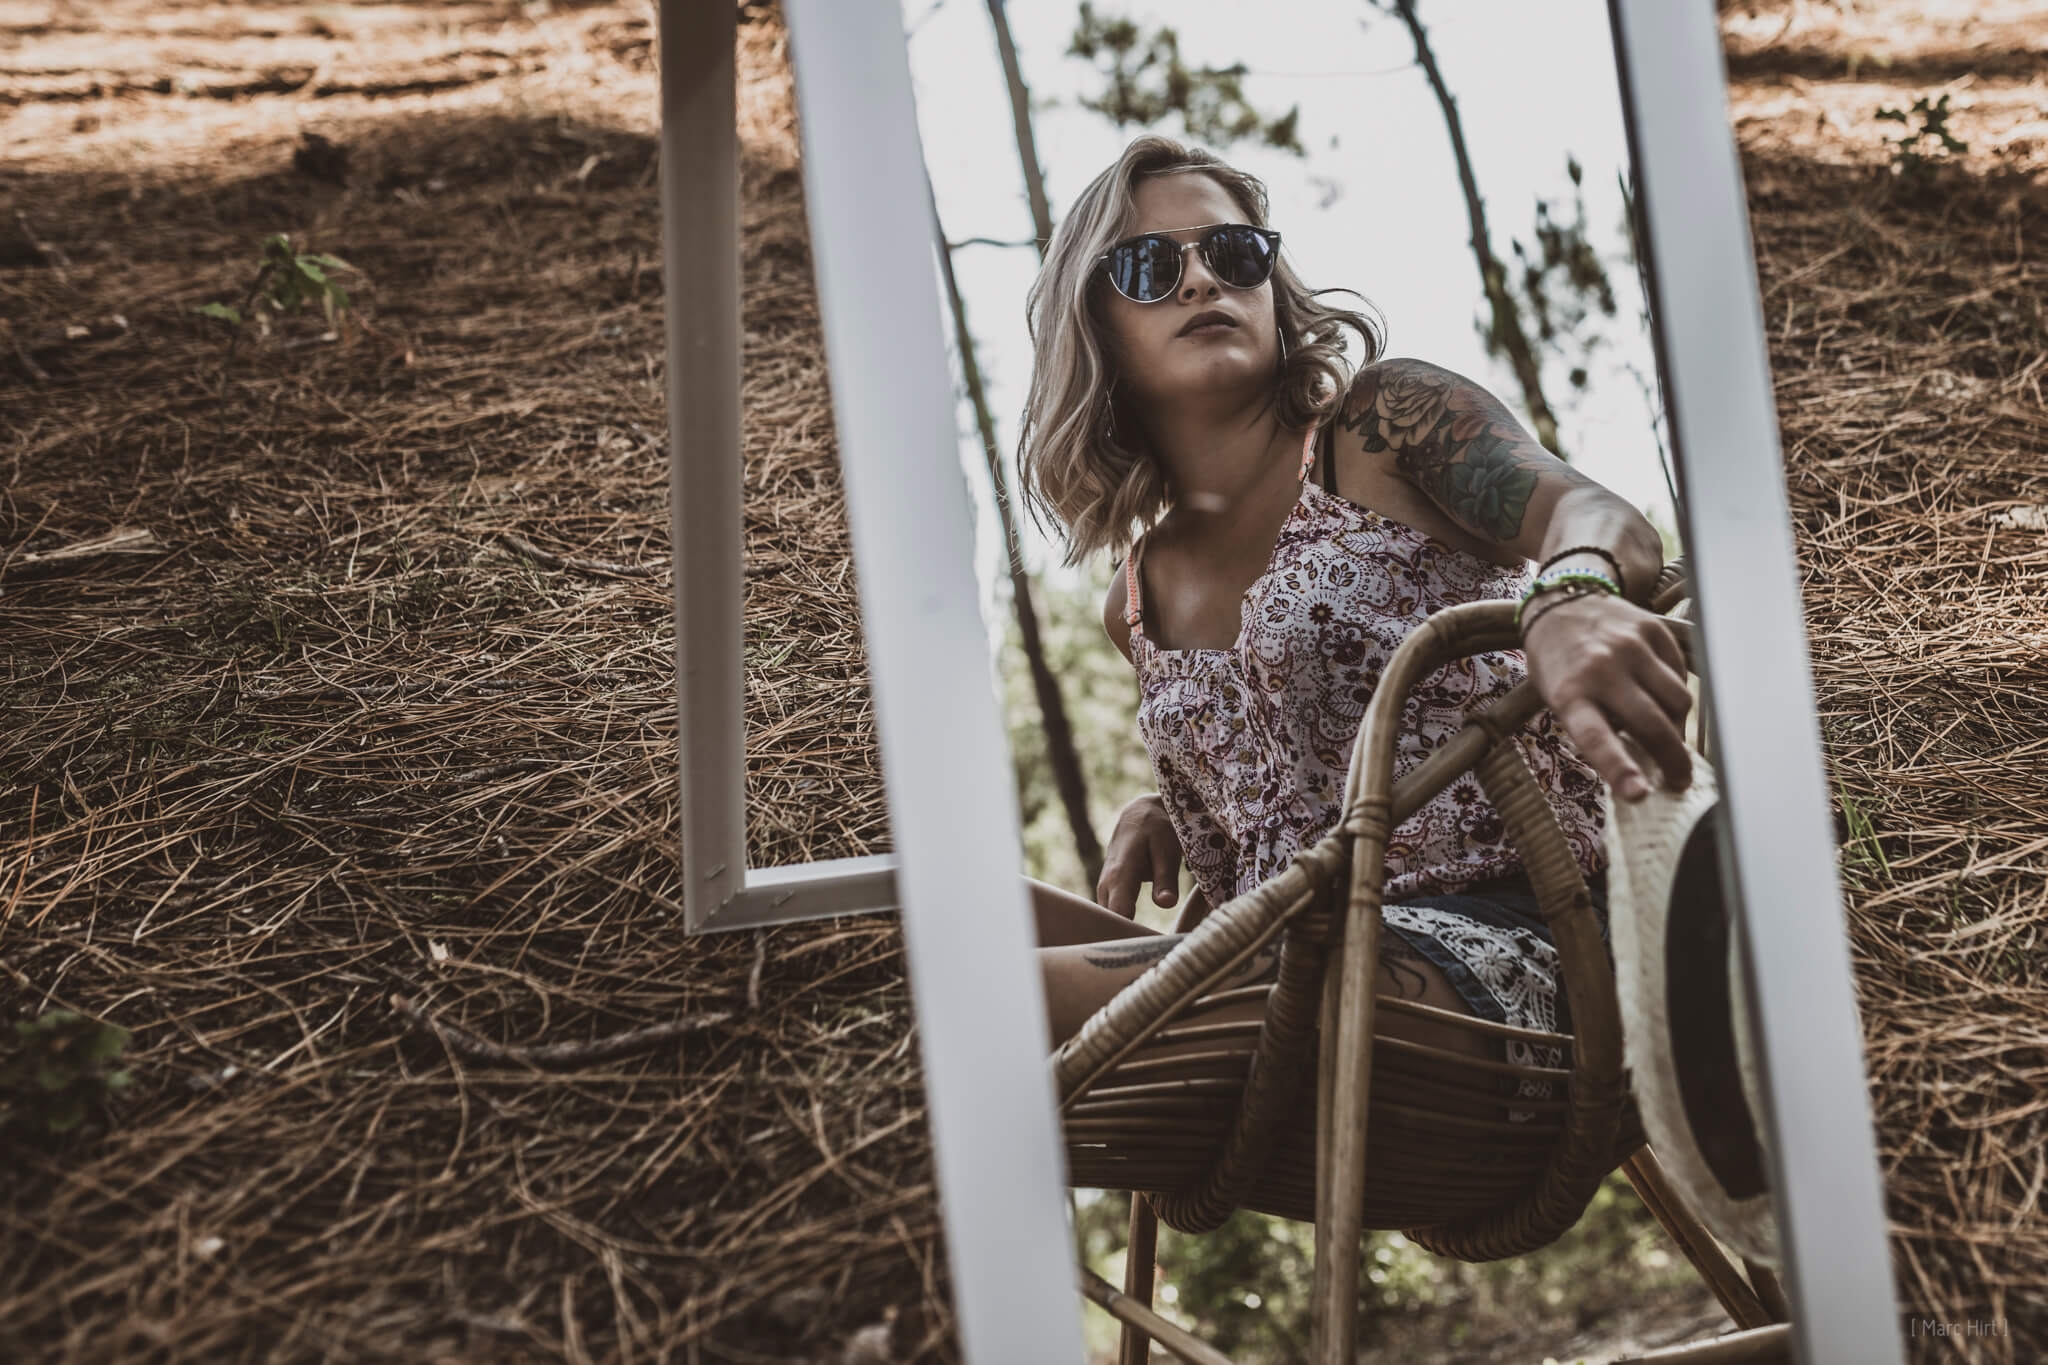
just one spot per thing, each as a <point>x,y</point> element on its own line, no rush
<point>1251,743</point>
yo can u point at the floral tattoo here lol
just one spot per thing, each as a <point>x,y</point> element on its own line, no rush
<point>1453,440</point>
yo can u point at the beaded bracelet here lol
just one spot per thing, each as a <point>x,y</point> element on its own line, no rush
<point>1620,579</point>
<point>1553,577</point>
<point>1567,588</point>
<point>1565,594</point>
<point>1563,580</point>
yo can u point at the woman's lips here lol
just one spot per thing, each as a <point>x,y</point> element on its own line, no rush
<point>1210,329</point>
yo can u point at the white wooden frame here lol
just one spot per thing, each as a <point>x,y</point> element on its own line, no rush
<point>700,217</point>
<point>952,811</point>
<point>1779,858</point>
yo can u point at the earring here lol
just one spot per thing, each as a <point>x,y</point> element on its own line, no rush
<point>1283,347</point>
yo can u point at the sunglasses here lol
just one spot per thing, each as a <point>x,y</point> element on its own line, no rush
<point>1147,268</point>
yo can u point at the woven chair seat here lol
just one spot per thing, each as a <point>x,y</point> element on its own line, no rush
<point>1155,1126</point>
<point>1235,1122</point>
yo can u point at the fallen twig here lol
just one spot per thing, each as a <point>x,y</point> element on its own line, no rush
<point>754,976</point>
<point>624,1044</point>
<point>553,561</point>
<point>28,362</point>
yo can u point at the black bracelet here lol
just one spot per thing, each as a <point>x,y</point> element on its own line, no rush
<point>1620,580</point>
<point>1567,593</point>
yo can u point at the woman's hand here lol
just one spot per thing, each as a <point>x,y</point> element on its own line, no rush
<point>1142,848</point>
<point>1601,663</point>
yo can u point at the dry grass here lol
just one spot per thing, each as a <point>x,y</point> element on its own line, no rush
<point>1907,341</point>
<point>359,727</point>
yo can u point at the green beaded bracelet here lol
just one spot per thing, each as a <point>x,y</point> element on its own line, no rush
<point>1556,576</point>
<point>1561,579</point>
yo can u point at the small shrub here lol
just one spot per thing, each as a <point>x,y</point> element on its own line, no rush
<point>287,280</point>
<point>1916,150</point>
<point>56,1072</point>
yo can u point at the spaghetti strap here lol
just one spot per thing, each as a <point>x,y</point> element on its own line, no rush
<point>1308,451</point>
<point>1132,614</point>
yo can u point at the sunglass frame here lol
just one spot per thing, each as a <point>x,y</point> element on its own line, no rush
<point>1181,249</point>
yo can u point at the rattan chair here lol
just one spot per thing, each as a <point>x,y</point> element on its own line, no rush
<point>1278,1113</point>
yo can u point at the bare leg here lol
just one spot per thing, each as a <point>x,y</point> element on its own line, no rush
<point>1065,918</point>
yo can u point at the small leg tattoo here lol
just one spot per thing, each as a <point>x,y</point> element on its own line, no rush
<point>1132,953</point>
<point>1396,951</point>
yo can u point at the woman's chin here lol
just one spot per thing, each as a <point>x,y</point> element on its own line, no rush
<point>1221,369</point>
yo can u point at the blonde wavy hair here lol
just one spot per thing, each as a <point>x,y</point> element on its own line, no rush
<point>1075,454</point>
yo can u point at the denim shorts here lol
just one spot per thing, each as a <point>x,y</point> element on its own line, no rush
<point>1492,945</point>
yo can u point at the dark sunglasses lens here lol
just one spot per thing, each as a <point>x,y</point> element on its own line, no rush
<point>1145,270</point>
<point>1240,256</point>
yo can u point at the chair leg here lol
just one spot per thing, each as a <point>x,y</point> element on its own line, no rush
<point>1768,1289</point>
<point>1184,1344</point>
<point>1134,1347</point>
<point>1340,1175</point>
<point>1326,1100</point>
<point>1694,1240</point>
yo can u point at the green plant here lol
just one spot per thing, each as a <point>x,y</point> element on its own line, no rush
<point>1912,159</point>
<point>287,280</point>
<point>57,1071</point>
<point>1862,855</point>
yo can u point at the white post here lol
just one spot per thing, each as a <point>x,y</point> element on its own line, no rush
<point>1779,858</point>
<point>952,811</point>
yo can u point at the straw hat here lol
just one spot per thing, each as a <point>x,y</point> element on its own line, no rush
<point>1684,1005</point>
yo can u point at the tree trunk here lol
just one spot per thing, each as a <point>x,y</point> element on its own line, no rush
<point>1059,734</point>
<point>1020,115</point>
<point>1507,321</point>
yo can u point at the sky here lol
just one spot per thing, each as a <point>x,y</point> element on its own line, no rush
<point>1374,207</point>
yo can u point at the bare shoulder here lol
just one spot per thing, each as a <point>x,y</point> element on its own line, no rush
<point>1451,440</point>
<point>1401,387</point>
<point>1113,609</point>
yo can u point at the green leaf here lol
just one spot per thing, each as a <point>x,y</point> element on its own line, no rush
<point>310,271</point>
<point>107,1042</point>
<point>221,311</point>
<point>331,262</point>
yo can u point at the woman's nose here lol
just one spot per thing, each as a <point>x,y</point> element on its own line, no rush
<point>1195,275</point>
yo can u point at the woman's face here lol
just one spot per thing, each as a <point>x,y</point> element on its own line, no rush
<point>1154,355</point>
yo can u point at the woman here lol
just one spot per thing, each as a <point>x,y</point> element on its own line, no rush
<point>1302,520</point>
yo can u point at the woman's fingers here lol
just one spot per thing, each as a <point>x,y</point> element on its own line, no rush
<point>1654,710</point>
<point>1668,649</point>
<point>1591,722</point>
<point>1165,862</point>
<point>1601,671</point>
<point>1118,889</point>
<point>1141,849</point>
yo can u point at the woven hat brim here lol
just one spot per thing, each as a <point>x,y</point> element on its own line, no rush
<point>1648,842</point>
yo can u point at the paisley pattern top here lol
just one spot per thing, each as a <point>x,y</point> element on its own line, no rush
<point>1251,743</point>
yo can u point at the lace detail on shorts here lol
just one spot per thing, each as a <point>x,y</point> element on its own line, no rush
<point>1520,970</point>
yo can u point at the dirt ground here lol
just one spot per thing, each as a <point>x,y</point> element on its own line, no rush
<point>379,701</point>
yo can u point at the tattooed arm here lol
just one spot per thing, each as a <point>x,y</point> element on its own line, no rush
<point>1598,662</point>
<point>1460,445</point>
